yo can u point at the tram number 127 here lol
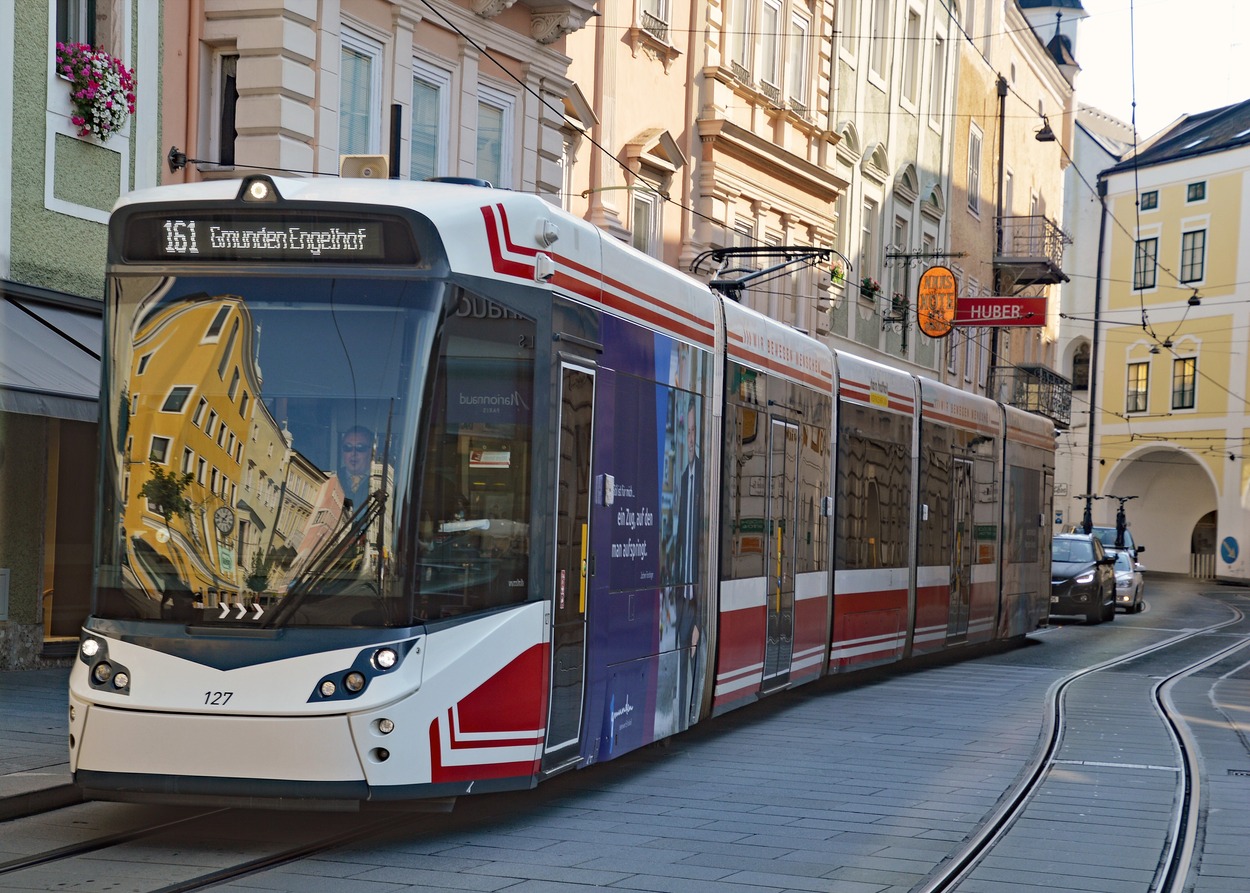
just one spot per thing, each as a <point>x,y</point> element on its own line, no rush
<point>217,698</point>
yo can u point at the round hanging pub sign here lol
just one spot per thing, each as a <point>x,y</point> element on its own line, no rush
<point>935,302</point>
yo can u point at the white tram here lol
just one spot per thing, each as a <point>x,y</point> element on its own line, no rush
<point>413,490</point>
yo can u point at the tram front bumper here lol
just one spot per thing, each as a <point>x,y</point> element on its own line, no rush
<point>128,752</point>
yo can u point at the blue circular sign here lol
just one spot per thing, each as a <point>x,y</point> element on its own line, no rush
<point>1229,550</point>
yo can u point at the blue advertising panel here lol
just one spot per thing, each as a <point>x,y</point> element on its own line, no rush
<point>646,528</point>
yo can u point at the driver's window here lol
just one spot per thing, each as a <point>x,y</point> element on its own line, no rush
<point>473,524</point>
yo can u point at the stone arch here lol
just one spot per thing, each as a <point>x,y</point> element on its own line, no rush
<point>1175,493</point>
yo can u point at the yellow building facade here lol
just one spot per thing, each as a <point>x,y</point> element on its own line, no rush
<point>1171,411</point>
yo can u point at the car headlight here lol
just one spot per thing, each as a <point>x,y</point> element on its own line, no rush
<point>1086,577</point>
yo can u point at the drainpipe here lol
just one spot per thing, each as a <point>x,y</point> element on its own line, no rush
<point>195,29</point>
<point>998,224</point>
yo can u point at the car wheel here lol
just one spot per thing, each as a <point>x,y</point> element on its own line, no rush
<point>1109,610</point>
<point>1094,615</point>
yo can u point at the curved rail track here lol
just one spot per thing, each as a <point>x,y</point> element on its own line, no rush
<point>1177,856</point>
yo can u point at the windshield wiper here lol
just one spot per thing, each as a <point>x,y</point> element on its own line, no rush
<point>341,556</point>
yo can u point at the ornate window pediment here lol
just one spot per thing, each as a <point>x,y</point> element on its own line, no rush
<point>549,19</point>
<point>655,148</point>
<point>876,163</point>
<point>906,185</point>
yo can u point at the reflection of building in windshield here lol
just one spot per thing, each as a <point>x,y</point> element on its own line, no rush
<point>195,416</point>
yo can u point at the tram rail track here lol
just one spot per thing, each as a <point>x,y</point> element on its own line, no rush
<point>151,833</point>
<point>1176,858</point>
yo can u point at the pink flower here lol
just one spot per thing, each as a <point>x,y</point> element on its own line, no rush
<point>101,89</point>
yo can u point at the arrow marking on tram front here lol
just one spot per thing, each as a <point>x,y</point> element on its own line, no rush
<point>225,609</point>
<point>259,611</point>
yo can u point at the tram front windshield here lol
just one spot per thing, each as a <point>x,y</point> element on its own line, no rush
<point>265,452</point>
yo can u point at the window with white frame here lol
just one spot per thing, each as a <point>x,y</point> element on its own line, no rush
<point>177,398</point>
<point>431,121</point>
<point>360,95</point>
<point>770,42</point>
<point>75,21</point>
<point>223,104</point>
<point>848,23</point>
<point>1137,387</point>
<point>911,57</point>
<point>1145,263</point>
<point>974,169</point>
<point>877,55</point>
<point>937,80</point>
<point>653,15</point>
<point>1080,367</point>
<point>868,241</point>
<point>739,40</point>
<point>1184,382</point>
<point>645,219</point>
<point>800,49</point>
<point>900,270</point>
<point>1193,255</point>
<point>495,114</point>
<point>158,452</point>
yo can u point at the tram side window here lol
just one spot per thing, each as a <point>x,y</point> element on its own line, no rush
<point>874,485</point>
<point>936,540</point>
<point>812,542</point>
<point>1023,511</point>
<point>745,494</point>
<point>473,518</point>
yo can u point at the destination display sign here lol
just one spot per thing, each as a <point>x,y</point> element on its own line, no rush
<point>267,237</point>
<point>1030,311</point>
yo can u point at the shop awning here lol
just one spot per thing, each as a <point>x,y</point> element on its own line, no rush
<point>49,360</point>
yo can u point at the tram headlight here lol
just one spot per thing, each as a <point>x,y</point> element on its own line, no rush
<point>385,726</point>
<point>102,672</point>
<point>354,681</point>
<point>90,647</point>
<point>328,688</point>
<point>121,680</point>
<point>385,658</point>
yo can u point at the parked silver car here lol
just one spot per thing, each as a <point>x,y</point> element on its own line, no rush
<point>1129,583</point>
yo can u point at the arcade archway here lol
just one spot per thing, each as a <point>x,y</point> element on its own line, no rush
<point>1176,499</point>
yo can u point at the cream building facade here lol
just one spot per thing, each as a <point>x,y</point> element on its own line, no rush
<point>1014,110</point>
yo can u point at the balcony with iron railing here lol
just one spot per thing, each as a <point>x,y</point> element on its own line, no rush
<point>654,25</point>
<point>1030,252</point>
<point>1034,389</point>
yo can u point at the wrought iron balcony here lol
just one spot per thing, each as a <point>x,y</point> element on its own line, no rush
<point>655,26</point>
<point>1030,252</point>
<point>1034,389</point>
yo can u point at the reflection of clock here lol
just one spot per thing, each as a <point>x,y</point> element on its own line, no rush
<point>224,519</point>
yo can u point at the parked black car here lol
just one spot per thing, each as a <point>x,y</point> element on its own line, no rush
<point>1082,577</point>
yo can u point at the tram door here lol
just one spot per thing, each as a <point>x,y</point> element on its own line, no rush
<point>568,632</point>
<point>961,556</point>
<point>783,477</point>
